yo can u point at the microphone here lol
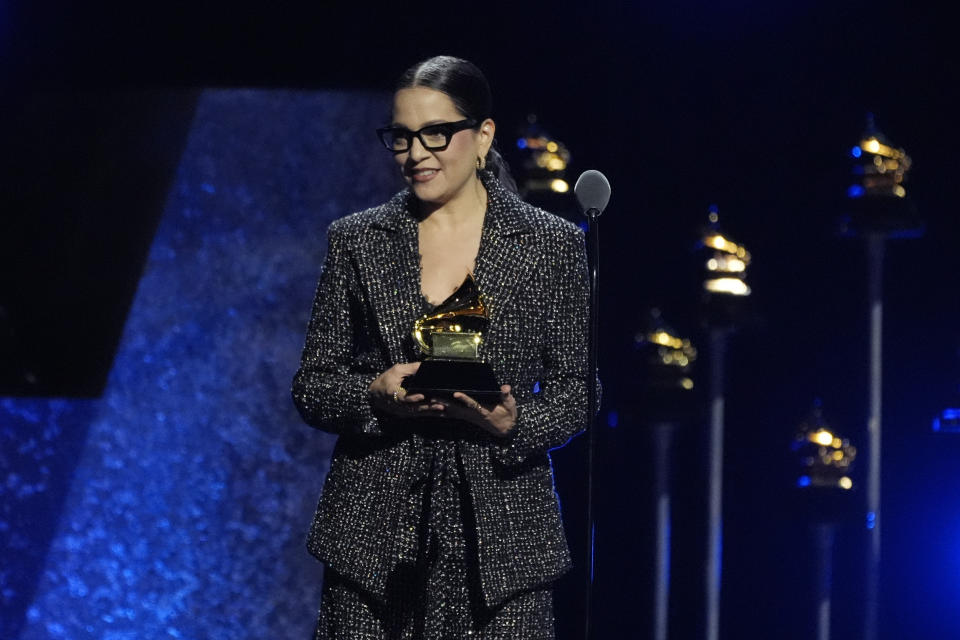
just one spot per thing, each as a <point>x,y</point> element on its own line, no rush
<point>593,192</point>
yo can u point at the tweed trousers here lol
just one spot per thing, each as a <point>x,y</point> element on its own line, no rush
<point>440,598</point>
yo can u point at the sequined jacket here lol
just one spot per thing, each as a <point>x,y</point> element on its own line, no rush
<point>531,271</point>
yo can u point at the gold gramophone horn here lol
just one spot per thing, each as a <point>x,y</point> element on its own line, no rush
<point>454,329</point>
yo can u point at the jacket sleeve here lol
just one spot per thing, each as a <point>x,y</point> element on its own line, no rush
<point>330,387</point>
<point>552,417</point>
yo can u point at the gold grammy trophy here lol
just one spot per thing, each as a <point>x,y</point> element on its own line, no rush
<point>449,338</point>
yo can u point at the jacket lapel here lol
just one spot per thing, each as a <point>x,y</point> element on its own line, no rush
<point>507,257</point>
<point>389,265</point>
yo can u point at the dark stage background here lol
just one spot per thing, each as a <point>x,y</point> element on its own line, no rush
<point>167,178</point>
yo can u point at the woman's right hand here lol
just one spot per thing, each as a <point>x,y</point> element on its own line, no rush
<point>388,394</point>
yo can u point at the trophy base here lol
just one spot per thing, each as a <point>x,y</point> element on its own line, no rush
<point>442,378</point>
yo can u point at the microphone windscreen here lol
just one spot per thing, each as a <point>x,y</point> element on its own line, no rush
<point>592,190</point>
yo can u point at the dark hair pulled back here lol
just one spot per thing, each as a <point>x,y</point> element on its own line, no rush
<point>469,91</point>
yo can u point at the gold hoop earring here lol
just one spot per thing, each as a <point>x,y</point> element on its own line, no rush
<point>481,164</point>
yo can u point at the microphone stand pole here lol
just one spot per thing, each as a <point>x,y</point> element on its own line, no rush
<point>593,258</point>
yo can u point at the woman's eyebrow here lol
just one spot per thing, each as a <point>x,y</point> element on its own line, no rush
<point>425,124</point>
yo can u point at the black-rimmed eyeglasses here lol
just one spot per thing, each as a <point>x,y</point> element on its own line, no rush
<point>433,137</point>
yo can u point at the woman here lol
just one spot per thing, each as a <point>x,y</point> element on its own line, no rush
<point>438,517</point>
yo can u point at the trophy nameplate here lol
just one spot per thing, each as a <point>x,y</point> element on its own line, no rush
<point>449,337</point>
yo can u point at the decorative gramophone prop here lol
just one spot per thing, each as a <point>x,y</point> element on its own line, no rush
<point>825,458</point>
<point>877,200</point>
<point>661,370</point>
<point>726,293</point>
<point>824,465</point>
<point>449,337</point>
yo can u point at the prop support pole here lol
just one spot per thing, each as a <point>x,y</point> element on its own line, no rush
<point>824,534</point>
<point>714,563</point>
<point>663,441</point>
<point>875,255</point>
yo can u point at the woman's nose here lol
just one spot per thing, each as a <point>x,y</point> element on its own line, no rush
<point>417,150</point>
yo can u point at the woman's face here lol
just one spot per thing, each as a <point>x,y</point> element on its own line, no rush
<point>437,177</point>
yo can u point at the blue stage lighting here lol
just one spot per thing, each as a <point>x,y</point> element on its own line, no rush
<point>948,421</point>
<point>855,191</point>
<point>193,479</point>
<point>521,143</point>
<point>613,419</point>
<point>803,481</point>
<point>856,152</point>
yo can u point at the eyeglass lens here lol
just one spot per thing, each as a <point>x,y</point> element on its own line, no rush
<point>431,137</point>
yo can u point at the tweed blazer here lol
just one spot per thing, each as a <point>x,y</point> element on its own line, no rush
<point>531,271</point>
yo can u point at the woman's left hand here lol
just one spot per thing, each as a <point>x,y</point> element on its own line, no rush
<point>497,419</point>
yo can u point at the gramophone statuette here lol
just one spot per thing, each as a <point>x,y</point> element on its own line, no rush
<point>449,337</point>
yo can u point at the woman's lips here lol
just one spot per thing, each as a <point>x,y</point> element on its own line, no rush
<point>423,175</point>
